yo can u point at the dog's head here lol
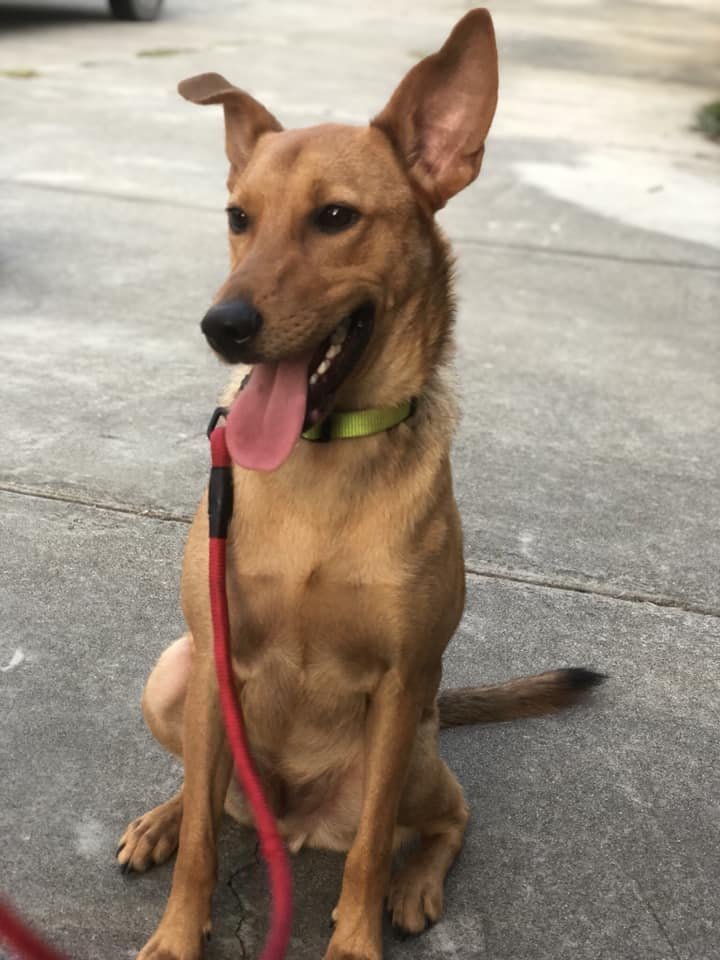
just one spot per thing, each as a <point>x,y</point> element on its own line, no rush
<point>338,288</point>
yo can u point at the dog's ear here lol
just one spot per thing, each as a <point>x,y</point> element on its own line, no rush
<point>440,114</point>
<point>245,119</point>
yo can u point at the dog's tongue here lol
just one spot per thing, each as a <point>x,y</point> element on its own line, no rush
<point>266,418</point>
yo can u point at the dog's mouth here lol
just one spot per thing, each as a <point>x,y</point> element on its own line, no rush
<point>334,360</point>
<point>279,400</point>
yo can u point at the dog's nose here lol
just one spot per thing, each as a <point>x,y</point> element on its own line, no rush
<point>230,326</point>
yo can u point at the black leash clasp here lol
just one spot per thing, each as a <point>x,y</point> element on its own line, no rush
<point>220,501</point>
<point>220,488</point>
<point>216,414</point>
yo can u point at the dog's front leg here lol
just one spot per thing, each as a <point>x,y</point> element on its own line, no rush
<point>390,732</point>
<point>208,767</point>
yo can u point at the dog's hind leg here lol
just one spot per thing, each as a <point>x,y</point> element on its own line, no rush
<point>163,701</point>
<point>153,838</point>
<point>434,806</point>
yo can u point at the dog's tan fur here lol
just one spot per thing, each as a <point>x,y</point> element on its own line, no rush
<point>346,577</point>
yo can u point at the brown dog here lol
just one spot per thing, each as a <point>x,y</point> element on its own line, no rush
<point>346,577</point>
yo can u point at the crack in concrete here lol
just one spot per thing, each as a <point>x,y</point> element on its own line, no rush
<point>242,909</point>
<point>656,917</point>
<point>587,586</point>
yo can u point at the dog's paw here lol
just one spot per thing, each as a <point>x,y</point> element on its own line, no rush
<point>352,951</point>
<point>176,941</point>
<point>152,838</point>
<point>355,946</point>
<point>415,899</point>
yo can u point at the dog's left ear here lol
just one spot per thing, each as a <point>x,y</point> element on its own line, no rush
<point>439,116</point>
<point>245,119</point>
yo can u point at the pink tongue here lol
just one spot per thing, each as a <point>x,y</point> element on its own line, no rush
<point>266,418</point>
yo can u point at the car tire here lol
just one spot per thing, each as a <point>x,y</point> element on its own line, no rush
<point>135,9</point>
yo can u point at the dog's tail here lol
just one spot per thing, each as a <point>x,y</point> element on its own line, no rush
<point>533,696</point>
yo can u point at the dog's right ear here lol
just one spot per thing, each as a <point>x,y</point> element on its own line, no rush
<point>245,119</point>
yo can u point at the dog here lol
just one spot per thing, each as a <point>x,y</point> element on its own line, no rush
<point>345,560</point>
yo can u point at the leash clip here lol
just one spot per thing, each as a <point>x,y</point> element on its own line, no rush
<point>216,414</point>
<point>220,491</point>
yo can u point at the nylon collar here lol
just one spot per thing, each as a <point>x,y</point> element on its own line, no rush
<point>360,423</point>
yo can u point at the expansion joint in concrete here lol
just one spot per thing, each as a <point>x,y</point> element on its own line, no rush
<point>593,588</point>
<point>486,572</point>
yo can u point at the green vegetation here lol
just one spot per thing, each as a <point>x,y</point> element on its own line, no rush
<point>708,120</point>
<point>19,73</point>
<point>164,52</point>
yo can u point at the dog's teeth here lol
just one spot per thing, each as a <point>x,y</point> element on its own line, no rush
<point>340,333</point>
<point>336,341</point>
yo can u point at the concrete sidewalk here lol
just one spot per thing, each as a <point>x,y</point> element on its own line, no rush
<point>587,466</point>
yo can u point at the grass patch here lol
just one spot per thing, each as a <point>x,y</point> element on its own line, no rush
<point>708,120</point>
<point>20,73</point>
<point>164,52</point>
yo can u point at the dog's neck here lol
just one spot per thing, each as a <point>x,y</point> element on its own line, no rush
<point>352,425</point>
<point>324,481</point>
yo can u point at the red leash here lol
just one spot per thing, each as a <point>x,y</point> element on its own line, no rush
<point>271,845</point>
<point>14,933</point>
<point>19,938</point>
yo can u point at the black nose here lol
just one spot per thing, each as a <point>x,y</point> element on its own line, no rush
<point>230,326</point>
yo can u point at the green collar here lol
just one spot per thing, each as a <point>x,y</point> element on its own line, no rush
<point>359,423</point>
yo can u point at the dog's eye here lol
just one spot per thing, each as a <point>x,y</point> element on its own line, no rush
<point>335,217</point>
<point>238,219</point>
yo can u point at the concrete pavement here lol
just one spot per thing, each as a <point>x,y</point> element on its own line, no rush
<point>586,467</point>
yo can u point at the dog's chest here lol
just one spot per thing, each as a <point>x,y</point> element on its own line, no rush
<point>311,624</point>
<point>313,599</point>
